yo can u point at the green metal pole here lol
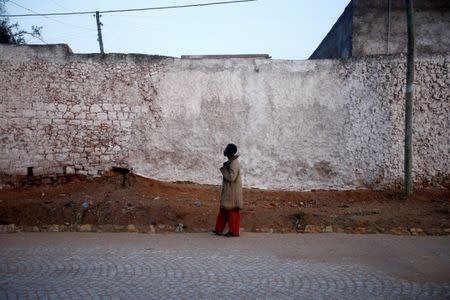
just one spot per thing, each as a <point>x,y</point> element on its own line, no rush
<point>99,32</point>
<point>409,98</point>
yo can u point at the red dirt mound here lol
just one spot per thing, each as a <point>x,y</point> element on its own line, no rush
<point>108,205</point>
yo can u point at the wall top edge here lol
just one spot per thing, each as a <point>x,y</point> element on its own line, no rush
<point>58,52</point>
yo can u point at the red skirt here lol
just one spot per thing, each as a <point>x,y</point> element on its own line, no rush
<point>232,216</point>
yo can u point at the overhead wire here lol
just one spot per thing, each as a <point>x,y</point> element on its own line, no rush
<point>126,10</point>
<point>47,15</point>
<point>55,20</point>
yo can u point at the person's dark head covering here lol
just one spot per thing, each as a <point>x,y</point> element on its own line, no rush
<point>230,150</point>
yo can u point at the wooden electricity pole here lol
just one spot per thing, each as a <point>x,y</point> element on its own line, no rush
<point>409,98</point>
<point>99,31</point>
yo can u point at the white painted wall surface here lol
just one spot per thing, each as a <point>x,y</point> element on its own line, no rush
<point>299,125</point>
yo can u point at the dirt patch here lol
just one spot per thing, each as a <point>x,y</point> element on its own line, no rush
<point>109,203</point>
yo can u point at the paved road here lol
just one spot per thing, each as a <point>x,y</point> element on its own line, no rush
<point>199,265</point>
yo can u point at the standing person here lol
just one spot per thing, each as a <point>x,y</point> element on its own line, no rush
<point>231,197</point>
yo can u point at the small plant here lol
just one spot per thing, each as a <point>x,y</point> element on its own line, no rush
<point>300,216</point>
<point>299,221</point>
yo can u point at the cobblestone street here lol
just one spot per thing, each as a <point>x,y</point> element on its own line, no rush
<point>194,266</point>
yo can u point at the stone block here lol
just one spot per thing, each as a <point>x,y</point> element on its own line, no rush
<point>38,171</point>
<point>69,170</point>
<point>360,230</point>
<point>122,115</point>
<point>95,108</point>
<point>75,109</point>
<point>136,109</point>
<point>328,229</point>
<point>416,231</point>
<point>125,124</point>
<point>86,228</point>
<point>30,229</point>
<point>53,228</point>
<point>60,156</point>
<point>28,113</point>
<point>11,228</point>
<point>50,107</point>
<point>105,158</point>
<point>313,229</point>
<point>112,115</point>
<point>120,228</point>
<point>105,228</point>
<point>102,116</point>
<point>62,107</point>
<point>74,155</point>
<point>9,113</point>
<point>92,172</point>
<point>399,231</point>
<point>41,114</point>
<point>131,228</point>
<point>107,107</point>
<point>75,122</point>
<point>80,115</point>
<point>38,106</point>
<point>68,115</point>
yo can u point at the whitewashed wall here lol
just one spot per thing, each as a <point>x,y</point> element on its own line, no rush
<point>299,125</point>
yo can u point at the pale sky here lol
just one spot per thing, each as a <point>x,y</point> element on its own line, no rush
<point>284,29</point>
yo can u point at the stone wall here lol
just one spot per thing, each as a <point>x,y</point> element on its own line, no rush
<point>372,23</point>
<point>300,125</point>
<point>378,27</point>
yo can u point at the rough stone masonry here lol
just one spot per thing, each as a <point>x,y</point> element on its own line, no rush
<point>300,125</point>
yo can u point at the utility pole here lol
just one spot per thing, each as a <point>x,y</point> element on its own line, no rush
<point>409,98</point>
<point>99,31</point>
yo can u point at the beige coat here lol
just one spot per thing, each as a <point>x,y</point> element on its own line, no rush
<point>231,196</point>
